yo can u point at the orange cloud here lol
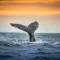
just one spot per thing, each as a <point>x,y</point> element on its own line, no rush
<point>29,7</point>
<point>29,11</point>
<point>29,1</point>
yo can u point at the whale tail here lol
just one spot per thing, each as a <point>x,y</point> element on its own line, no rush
<point>30,29</point>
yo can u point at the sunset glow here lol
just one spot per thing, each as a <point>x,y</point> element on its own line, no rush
<point>46,12</point>
<point>29,7</point>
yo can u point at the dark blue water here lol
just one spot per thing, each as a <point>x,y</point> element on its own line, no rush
<point>16,46</point>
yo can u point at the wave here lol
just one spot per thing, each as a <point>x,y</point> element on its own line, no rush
<point>5,43</point>
<point>17,39</point>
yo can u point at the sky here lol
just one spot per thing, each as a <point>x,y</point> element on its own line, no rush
<point>45,12</point>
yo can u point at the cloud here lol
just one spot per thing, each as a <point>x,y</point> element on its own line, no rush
<point>36,3</point>
<point>29,7</point>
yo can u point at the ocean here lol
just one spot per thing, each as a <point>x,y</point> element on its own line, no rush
<point>16,46</point>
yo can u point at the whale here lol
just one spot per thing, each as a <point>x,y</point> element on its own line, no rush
<point>30,29</point>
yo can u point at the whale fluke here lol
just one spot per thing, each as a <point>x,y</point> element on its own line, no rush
<point>33,26</point>
<point>30,29</point>
<point>19,26</point>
